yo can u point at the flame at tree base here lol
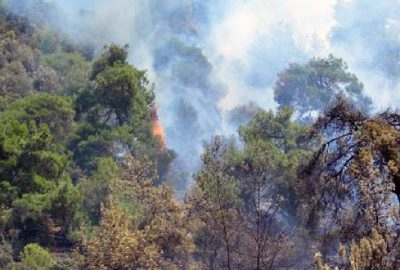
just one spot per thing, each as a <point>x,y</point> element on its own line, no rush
<point>157,128</point>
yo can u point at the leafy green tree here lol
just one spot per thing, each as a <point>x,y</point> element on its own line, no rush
<point>15,83</point>
<point>59,150</point>
<point>91,142</point>
<point>240,194</point>
<point>72,68</point>
<point>22,69</point>
<point>119,94</point>
<point>270,188</point>
<point>50,217</point>
<point>242,115</point>
<point>33,167</point>
<point>114,112</point>
<point>29,57</point>
<point>47,40</point>
<point>214,205</point>
<point>46,80</point>
<point>113,54</point>
<point>98,186</point>
<point>31,145</point>
<point>37,257</point>
<point>272,145</point>
<point>128,99</point>
<point>313,86</point>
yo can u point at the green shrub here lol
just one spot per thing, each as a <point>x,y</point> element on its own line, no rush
<point>37,257</point>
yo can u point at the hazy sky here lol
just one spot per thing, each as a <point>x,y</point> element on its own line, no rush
<point>74,3</point>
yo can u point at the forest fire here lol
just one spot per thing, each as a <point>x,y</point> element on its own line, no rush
<point>157,128</point>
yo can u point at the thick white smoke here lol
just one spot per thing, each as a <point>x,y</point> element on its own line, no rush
<point>367,36</point>
<point>254,40</point>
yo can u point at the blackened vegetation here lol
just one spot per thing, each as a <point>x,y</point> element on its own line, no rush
<point>348,134</point>
<point>357,166</point>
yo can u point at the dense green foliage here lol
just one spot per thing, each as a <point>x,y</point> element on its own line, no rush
<point>313,86</point>
<point>72,68</point>
<point>37,258</point>
<point>66,125</point>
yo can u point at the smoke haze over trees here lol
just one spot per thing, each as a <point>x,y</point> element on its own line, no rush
<point>218,55</point>
<point>199,134</point>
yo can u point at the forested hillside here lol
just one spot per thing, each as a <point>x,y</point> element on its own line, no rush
<point>85,168</point>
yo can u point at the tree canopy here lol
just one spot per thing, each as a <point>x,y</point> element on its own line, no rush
<point>313,86</point>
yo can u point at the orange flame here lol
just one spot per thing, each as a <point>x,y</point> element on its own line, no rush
<point>158,129</point>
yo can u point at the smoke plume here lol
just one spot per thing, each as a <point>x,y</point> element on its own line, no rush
<point>207,57</point>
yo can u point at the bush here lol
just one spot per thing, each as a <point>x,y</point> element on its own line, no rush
<point>6,258</point>
<point>37,257</point>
